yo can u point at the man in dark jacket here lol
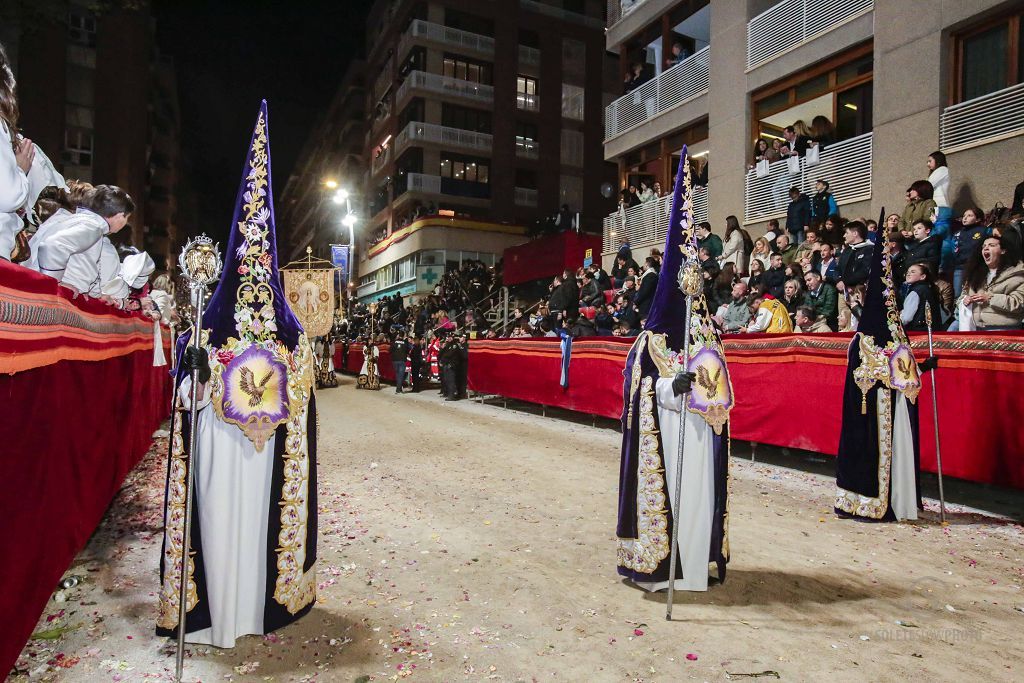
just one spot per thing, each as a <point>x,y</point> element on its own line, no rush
<point>926,247</point>
<point>448,359</point>
<point>399,354</point>
<point>855,260</point>
<point>709,240</point>
<point>582,327</point>
<point>600,277</point>
<point>775,277</point>
<point>590,295</point>
<point>462,366</point>
<point>415,362</point>
<point>822,298</point>
<point>648,284</point>
<point>565,297</point>
<point>798,214</point>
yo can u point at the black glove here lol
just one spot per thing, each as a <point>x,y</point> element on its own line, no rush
<point>682,383</point>
<point>197,359</point>
<point>928,364</point>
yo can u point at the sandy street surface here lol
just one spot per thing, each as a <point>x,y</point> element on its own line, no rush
<point>461,541</point>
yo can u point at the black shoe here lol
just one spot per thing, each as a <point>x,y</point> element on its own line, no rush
<point>398,391</point>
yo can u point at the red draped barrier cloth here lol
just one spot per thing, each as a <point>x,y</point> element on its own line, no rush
<point>385,370</point>
<point>76,420</point>
<point>789,391</point>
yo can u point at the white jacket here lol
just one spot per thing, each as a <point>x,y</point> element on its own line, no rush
<point>940,184</point>
<point>14,189</point>
<point>79,235</point>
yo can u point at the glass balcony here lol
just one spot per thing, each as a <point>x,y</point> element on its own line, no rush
<point>525,196</point>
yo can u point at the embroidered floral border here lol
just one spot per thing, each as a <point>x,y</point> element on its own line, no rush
<point>645,552</point>
<point>174,533</point>
<point>854,503</point>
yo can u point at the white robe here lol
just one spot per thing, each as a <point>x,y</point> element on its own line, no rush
<point>903,486</point>
<point>376,356</point>
<point>696,513</point>
<point>48,227</point>
<point>78,235</point>
<point>232,489</point>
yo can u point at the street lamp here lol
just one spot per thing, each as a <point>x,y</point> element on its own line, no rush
<point>331,183</point>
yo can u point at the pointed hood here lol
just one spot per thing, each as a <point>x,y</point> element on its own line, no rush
<point>880,317</point>
<point>249,304</point>
<point>669,306</point>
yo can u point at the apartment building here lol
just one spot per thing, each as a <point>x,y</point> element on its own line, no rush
<point>331,159</point>
<point>896,79</point>
<point>483,117</point>
<point>99,99</point>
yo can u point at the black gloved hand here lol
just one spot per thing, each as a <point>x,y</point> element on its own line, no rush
<point>928,364</point>
<point>197,359</point>
<point>683,382</point>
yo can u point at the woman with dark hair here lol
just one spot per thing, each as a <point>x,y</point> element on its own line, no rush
<point>920,291</point>
<point>965,242</point>
<point>16,154</point>
<point>763,152</point>
<point>919,205</point>
<point>939,179</point>
<point>994,284</point>
<point>756,274</point>
<point>733,249</point>
<point>824,133</point>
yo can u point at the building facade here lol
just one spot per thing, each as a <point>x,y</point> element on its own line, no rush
<point>98,98</point>
<point>890,80</point>
<point>331,159</point>
<point>483,118</point>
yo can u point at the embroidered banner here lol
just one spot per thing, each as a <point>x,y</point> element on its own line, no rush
<point>310,294</point>
<point>41,324</point>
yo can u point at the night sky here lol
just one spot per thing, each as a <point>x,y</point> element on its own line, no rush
<point>230,55</point>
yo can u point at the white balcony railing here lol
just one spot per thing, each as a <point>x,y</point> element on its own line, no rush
<point>527,149</point>
<point>617,9</point>
<point>647,224</point>
<point>527,102</point>
<point>529,56</point>
<point>989,118</point>
<point>421,182</point>
<point>791,23</point>
<point>416,132</point>
<point>445,85</point>
<point>675,86</point>
<point>425,31</point>
<point>845,165</point>
<point>525,196</point>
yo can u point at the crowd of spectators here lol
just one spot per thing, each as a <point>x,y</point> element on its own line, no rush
<point>70,230</point>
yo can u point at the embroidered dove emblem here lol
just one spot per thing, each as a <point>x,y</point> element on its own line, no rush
<point>708,382</point>
<point>249,386</point>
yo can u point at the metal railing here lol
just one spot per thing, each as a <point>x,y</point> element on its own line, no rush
<point>421,182</point>
<point>572,102</point>
<point>682,83</point>
<point>617,9</point>
<point>383,81</point>
<point>527,102</point>
<point>845,165</point>
<point>525,196</point>
<point>647,223</point>
<point>418,132</point>
<point>530,56</point>
<point>527,149</point>
<point>444,85</point>
<point>792,23</point>
<point>989,118</point>
<point>425,31</point>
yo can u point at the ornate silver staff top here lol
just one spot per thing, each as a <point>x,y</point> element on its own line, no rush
<point>200,262</point>
<point>690,280</point>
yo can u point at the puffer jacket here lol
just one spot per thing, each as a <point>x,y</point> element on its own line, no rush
<point>1007,304</point>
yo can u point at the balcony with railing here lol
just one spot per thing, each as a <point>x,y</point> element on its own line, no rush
<point>444,85</point>
<point>433,184</point>
<point>525,196</point>
<point>989,118</point>
<point>529,56</point>
<point>647,224</point>
<point>676,86</point>
<point>380,161</point>
<point>420,31</point>
<point>527,102</point>
<point>845,165</point>
<point>791,23</point>
<point>527,149</point>
<point>421,182</point>
<point>417,133</point>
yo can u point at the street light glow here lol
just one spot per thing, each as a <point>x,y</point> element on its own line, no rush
<point>349,220</point>
<point>341,196</point>
<point>331,183</point>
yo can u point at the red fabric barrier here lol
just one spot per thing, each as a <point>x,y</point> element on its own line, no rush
<point>80,400</point>
<point>547,257</point>
<point>355,361</point>
<point>789,391</point>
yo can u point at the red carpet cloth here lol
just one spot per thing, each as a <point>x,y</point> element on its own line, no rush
<point>80,399</point>
<point>548,256</point>
<point>789,391</point>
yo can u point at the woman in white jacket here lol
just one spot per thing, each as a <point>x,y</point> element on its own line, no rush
<point>939,178</point>
<point>733,249</point>
<point>16,155</point>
